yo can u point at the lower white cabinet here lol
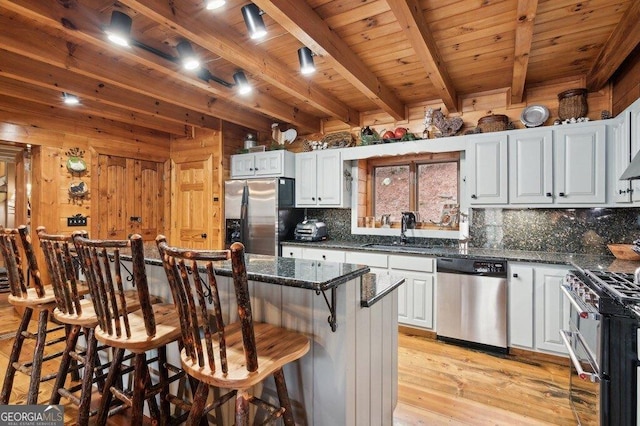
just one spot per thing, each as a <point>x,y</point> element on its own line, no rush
<point>537,308</point>
<point>417,295</point>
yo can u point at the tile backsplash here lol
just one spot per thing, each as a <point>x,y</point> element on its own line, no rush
<point>552,230</point>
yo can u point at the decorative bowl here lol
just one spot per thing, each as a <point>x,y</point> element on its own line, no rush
<point>623,251</point>
<point>534,115</point>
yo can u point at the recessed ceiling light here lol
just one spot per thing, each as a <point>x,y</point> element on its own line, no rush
<point>189,59</point>
<point>70,99</point>
<point>214,4</point>
<point>119,29</point>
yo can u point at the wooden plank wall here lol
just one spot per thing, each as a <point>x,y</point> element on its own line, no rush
<point>626,83</point>
<point>51,136</point>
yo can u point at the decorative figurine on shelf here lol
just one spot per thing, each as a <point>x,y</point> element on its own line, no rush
<point>447,126</point>
<point>428,123</point>
<point>288,136</point>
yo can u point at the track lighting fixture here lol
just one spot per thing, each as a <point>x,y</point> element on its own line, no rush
<point>70,99</point>
<point>119,29</point>
<point>253,19</point>
<point>214,4</point>
<point>305,56</point>
<point>242,83</point>
<point>189,59</point>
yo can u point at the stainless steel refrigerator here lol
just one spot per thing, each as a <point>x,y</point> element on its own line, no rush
<point>260,213</point>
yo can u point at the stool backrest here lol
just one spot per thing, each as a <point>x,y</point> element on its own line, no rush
<point>103,272</point>
<point>190,293</point>
<point>62,269</point>
<point>10,249</point>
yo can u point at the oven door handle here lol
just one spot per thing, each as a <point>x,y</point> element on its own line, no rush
<point>566,338</point>
<point>582,311</point>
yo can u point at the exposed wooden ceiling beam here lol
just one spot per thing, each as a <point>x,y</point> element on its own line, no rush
<point>299,19</point>
<point>213,35</point>
<point>526,15</point>
<point>411,18</point>
<point>225,105</point>
<point>620,44</point>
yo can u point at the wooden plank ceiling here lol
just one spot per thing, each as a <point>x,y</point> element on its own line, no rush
<point>370,55</point>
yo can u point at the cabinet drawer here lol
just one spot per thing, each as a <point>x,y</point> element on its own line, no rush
<point>321,254</point>
<point>411,263</point>
<point>291,251</point>
<point>376,260</point>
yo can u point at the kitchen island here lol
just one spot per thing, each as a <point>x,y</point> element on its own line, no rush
<point>350,374</point>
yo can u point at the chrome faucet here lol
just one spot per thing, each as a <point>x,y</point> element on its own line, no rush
<point>408,221</point>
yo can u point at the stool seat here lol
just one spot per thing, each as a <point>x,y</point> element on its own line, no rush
<point>276,346</point>
<point>167,331</point>
<point>32,300</point>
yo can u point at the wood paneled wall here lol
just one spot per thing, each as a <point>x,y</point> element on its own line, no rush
<point>626,83</point>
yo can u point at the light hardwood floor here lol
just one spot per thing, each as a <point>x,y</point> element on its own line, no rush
<point>439,384</point>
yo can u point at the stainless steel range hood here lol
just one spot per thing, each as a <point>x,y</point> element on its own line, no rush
<point>633,170</point>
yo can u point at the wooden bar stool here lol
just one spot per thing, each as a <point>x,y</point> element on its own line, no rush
<point>238,346</point>
<point>73,309</point>
<point>150,327</point>
<point>39,297</point>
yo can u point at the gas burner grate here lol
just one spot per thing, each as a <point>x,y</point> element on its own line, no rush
<point>618,285</point>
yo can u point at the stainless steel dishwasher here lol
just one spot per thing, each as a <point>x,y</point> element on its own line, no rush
<point>471,304</point>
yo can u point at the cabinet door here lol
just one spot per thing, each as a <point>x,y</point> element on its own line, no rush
<point>580,164</point>
<point>306,179</point>
<point>330,179</point>
<point>269,163</point>
<point>551,309</point>
<point>634,141</point>
<point>531,168</point>
<point>323,254</point>
<point>420,298</point>
<point>242,165</point>
<point>619,132</point>
<point>487,159</point>
<point>521,306</point>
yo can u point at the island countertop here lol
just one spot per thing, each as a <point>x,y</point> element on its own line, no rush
<point>307,274</point>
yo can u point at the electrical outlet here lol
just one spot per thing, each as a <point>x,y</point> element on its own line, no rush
<point>77,220</point>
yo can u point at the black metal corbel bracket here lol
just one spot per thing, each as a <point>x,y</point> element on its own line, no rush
<point>333,321</point>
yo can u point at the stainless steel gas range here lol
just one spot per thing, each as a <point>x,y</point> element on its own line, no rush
<point>604,346</point>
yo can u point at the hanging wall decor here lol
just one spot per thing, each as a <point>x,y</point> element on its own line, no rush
<point>75,163</point>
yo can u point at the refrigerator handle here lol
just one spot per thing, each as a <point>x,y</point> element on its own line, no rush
<point>244,215</point>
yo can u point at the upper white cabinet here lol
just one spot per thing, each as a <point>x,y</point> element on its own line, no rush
<point>279,163</point>
<point>633,115</point>
<point>531,167</point>
<point>487,169</point>
<point>618,132</point>
<point>580,164</point>
<point>322,180</point>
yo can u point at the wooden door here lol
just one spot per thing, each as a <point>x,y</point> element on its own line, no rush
<point>130,194</point>
<point>192,207</point>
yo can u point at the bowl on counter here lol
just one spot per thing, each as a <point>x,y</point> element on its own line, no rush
<point>623,251</point>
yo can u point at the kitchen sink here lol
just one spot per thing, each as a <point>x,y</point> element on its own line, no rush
<point>402,247</point>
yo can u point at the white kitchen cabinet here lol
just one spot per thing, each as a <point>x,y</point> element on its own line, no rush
<point>323,254</point>
<point>416,296</point>
<point>377,262</point>
<point>618,132</point>
<point>531,167</point>
<point>521,306</point>
<point>487,169</point>
<point>580,164</point>
<point>278,163</point>
<point>551,308</point>
<point>322,179</point>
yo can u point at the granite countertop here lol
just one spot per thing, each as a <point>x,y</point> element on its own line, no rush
<point>580,261</point>
<point>375,286</point>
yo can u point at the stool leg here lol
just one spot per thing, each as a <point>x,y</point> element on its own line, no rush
<point>242,408</point>
<point>75,373</point>
<point>199,401</point>
<point>107,396</point>
<point>283,396</point>
<point>7,384</point>
<point>165,406</point>
<point>87,379</point>
<point>65,362</point>
<point>38,353</point>
<point>140,381</point>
